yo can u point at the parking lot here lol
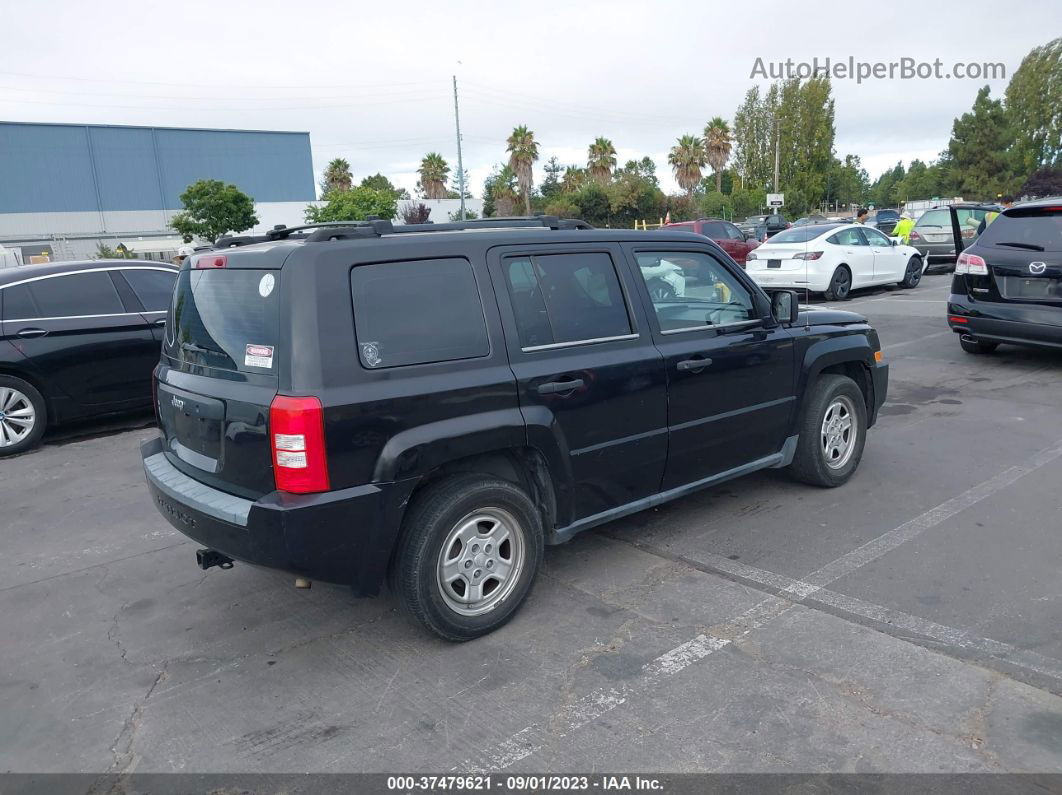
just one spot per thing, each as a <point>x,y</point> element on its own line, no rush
<point>910,621</point>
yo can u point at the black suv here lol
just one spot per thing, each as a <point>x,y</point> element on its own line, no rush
<point>77,340</point>
<point>433,404</point>
<point>1008,283</point>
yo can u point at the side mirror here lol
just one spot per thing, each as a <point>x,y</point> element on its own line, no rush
<point>785,306</point>
<point>895,241</point>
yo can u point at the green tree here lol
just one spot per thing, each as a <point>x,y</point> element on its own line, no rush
<point>499,192</point>
<point>433,172</point>
<point>523,152</point>
<point>1043,182</point>
<point>455,186</point>
<point>356,204</point>
<point>592,203</point>
<point>380,182</point>
<point>634,194</point>
<point>212,208</point>
<point>551,185</point>
<point>717,147</point>
<point>600,160</point>
<point>687,158</point>
<point>337,176</point>
<point>574,179</point>
<point>1034,109</point>
<point>103,251</point>
<point>978,149</point>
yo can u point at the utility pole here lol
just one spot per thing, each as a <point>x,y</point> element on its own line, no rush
<point>777,137</point>
<point>457,121</point>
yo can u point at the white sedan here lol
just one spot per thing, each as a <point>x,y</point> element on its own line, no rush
<point>834,259</point>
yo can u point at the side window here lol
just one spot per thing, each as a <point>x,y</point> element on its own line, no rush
<point>76,294</point>
<point>153,288</point>
<point>18,303</point>
<point>714,230</point>
<point>561,298</point>
<point>847,237</point>
<point>876,238</point>
<point>733,232</point>
<point>417,312</point>
<point>693,290</point>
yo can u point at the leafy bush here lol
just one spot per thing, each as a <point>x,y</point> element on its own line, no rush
<point>212,208</point>
<point>355,204</point>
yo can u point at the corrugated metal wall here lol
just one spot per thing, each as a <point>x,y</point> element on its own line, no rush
<point>46,168</point>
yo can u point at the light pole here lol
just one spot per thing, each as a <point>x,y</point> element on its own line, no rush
<point>460,162</point>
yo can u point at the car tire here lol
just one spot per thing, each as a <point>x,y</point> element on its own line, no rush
<point>455,527</point>
<point>840,285</point>
<point>826,455</point>
<point>913,274</point>
<point>977,346</point>
<point>20,402</point>
<point>660,290</point>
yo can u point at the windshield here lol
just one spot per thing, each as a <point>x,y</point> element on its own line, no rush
<point>225,319</point>
<point>1038,229</point>
<point>802,234</point>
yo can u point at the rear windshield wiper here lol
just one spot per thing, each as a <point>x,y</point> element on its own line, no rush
<point>193,348</point>
<point>1029,246</point>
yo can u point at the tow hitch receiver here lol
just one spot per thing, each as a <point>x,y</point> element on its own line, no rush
<point>209,558</point>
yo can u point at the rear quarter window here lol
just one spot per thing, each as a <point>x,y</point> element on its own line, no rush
<point>417,312</point>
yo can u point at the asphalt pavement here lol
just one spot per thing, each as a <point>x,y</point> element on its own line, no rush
<point>910,621</point>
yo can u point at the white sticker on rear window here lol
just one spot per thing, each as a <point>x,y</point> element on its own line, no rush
<point>370,353</point>
<point>258,356</point>
<point>265,287</point>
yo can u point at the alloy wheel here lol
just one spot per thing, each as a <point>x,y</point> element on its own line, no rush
<point>17,416</point>
<point>481,561</point>
<point>838,433</point>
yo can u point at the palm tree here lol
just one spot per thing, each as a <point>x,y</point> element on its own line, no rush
<point>600,160</point>
<point>433,173</point>
<point>523,152</point>
<point>687,158</point>
<point>337,176</point>
<point>717,145</point>
<point>574,178</point>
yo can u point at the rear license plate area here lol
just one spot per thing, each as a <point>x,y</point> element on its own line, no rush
<point>774,263</point>
<point>192,425</point>
<point>1044,289</point>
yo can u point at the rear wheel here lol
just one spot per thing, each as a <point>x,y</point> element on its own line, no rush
<point>470,549</point>
<point>913,275</point>
<point>971,345</point>
<point>840,285</point>
<point>660,290</point>
<point>23,416</point>
<point>833,431</point>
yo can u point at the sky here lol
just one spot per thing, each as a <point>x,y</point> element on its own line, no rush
<point>373,82</point>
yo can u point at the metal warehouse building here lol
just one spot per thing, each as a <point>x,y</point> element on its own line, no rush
<point>64,188</point>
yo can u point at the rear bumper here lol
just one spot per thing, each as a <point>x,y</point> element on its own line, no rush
<point>344,536</point>
<point>1037,326</point>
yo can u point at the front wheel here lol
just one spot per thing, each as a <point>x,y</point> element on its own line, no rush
<point>913,275</point>
<point>840,285</point>
<point>833,430</point>
<point>470,549</point>
<point>23,416</point>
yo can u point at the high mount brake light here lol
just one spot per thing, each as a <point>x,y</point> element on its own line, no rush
<point>971,264</point>
<point>207,261</point>
<point>296,433</point>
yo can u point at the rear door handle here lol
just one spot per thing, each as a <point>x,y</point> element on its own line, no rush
<point>693,365</point>
<point>32,332</point>
<point>559,387</point>
<point>160,322</point>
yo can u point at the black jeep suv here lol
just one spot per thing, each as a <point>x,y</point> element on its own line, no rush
<point>433,404</point>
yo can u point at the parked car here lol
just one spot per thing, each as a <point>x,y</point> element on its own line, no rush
<point>774,224</point>
<point>932,234</point>
<point>727,235</point>
<point>834,259</point>
<point>883,220</point>
<point>811,219</point>
<point>1008,282</point>
<point>77,340</point>
<point>431,406</point>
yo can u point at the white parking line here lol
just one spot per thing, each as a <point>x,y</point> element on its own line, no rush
<point>912,342</point>
<point>533,738</point>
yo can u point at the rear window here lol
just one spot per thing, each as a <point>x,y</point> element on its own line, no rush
<point>417,312</point>
<point>1032,229</point>
<point>935,218</point>
<point>800,234</point>
<point>225,319</point>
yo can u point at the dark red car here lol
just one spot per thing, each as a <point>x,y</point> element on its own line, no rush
<point>728,236</point>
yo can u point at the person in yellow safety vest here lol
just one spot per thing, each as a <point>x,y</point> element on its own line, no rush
<point>1007,202</point>
<point>903,227</point>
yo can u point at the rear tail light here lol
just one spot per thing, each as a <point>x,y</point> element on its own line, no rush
<point>971,264</point>
<point>296,428</point>
<point>808,255</point>
<point>752,255</point>
<point>204,261</point>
